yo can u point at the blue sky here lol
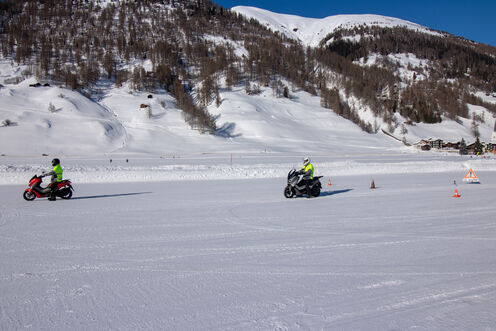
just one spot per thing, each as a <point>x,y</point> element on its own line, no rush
<point>474,20</point>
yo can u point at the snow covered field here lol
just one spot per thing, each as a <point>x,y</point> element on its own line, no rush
<point>231,253</point>
<point>236,166</point>
<point>171,229</point>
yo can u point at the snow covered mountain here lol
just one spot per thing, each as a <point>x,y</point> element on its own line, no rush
<point>115,93</point>
<point>117,125</point>
<point>311,31</point>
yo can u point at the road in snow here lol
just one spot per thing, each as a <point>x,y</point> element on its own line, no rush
<point>237,255</point>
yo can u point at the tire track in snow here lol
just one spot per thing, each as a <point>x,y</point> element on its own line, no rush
<point>166,271</point>
<point>289,248</point>
<point>441,298</point>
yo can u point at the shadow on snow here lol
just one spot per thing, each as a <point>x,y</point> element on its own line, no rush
<point>329,193</point>
<point>109,195</point>
<point>326,193</point>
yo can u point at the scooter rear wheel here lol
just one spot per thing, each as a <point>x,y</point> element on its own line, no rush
<point>66,193</point>
<point>288,192</point>
<point>315,191</point>
<point>28,196</point>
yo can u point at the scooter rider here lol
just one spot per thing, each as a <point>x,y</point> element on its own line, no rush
<point>56,174</point>
<point>307,172</point>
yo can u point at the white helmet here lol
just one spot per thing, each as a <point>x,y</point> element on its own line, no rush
<point>306,161</point>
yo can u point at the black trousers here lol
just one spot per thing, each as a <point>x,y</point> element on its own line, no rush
<point>307,183</point>
<point>53,189</point>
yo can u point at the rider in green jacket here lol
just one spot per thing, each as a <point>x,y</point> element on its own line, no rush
<point>307,171</point>
<point>56,174</point>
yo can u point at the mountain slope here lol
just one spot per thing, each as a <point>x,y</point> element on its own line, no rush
<point>117,124</point>
<point>209,70</point>
<point>54,120</point>
<point>311,31</point>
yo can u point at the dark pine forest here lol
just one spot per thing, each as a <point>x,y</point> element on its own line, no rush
<point>194,50</point>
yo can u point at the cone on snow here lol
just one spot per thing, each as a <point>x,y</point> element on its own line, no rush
<point>456,194</point>
<point>372,185</point>
<point>329,184</point>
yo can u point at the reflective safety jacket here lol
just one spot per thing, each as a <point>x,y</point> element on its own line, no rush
<point>57,170</point>
<point>308,170</point>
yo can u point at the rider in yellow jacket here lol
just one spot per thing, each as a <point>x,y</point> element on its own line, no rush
<point>56,174</point>
<point>307,171</point>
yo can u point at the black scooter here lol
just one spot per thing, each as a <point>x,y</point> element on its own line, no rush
<point>296,186</point>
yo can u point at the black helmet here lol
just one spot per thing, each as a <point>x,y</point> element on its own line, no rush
<point>55,162</point>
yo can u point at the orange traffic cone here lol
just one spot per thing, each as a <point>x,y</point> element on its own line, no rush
<point>329,184</point>
<point>456,194</point>
<point>372,185</point>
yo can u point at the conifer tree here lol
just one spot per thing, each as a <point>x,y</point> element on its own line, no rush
<point>478,148</point>
<point>463,147</point>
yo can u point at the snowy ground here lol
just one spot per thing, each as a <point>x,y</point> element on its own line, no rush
<point>169,167</point>
<point>234,254</point>
<point>170,229</point>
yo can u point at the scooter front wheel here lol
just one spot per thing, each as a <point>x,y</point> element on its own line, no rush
<point>288,192</point>
<point>28,196</point>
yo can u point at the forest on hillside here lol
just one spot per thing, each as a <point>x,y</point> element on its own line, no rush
<point>195,47</point>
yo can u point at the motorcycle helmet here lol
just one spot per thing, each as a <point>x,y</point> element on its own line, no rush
<point>55,162</point>
<point>306,161</point>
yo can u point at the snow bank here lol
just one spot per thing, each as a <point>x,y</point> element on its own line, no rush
<point>101,171</point>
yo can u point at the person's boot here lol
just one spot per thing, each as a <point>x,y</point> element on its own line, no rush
<point>52,197</point>
<point>309,192</point>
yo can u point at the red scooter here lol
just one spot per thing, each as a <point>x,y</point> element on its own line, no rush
<point>64,189</point>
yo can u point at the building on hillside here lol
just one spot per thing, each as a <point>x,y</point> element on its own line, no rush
<point>450,145</point>
<point>433,143</point>
<point>471,148</point>
<point>437,143</point>
<point>423,145</point>
<point>426,145</point>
